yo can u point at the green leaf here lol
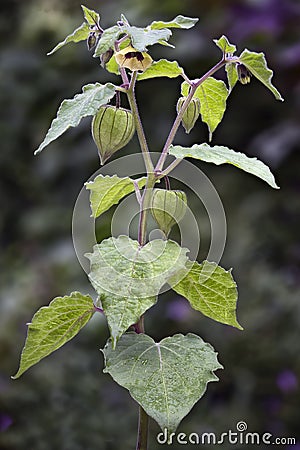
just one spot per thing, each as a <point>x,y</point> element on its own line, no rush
<point>165,43</point>
<point>162,68</point>
<point>225,45</point>
<point>80,34</point>
<point>107,40</point>
<point>72,111</point>
<point>165,378</point>
<point>107,191</point>
<point>128,277</point>
<point>142,37</point>
<point>210,289</point>
<point>54,325</point>
<point>90,16</point>
<point>112,66</point>
<point>124,19</point>
<point>232,75</point>
<point>256,63</point>
<point>223,155</point>
<point>213,95</point>
<point>178,22</point>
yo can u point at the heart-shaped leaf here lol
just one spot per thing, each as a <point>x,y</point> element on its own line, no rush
<point>165,378</point>
<point>128,277</point>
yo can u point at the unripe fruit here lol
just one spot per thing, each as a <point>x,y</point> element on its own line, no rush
<point>112,129</point>
<point>191,114</point>
<point>168,208</point>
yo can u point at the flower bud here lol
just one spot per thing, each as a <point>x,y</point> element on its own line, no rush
<point>168,208</point>
<point>191,114</point>
<point>244,75</point>
<point>112,129</point>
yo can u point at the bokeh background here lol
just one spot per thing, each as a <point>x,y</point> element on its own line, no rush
<point>65,402</point>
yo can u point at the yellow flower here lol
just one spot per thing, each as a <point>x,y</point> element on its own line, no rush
<point>132,59</point>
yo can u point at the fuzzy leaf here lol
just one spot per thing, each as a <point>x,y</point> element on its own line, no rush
<point>73,110</point>
<point>128,277</point>
<point>90,16</point>
<point>223,155</point>
<point>54,325</point>
<point>107,191</point>
<point>225,45</point>
<point>142,37</point>
<point>162,68</point>
<point>165,378</point>
<point>212,94</point>
<point>256,63</point>
<point>232,75</point>
<point>124,19</point>
<point>177,22</point>
<point>80,34</point>
<point>107,40</point>
<point>210,289</point>
<point>112,66</point>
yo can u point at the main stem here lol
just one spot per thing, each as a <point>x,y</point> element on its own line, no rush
<point>142,435</point>
<point>143,424</point>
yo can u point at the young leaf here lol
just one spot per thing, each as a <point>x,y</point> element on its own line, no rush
<point>80,34</point>
<point>225,45</point>
<point>73,110</point>
<point>165,378</point>
<point>90,16</point>
<point>256,63</point>
<point>178,22</point>
<point>124,20</point>
<point>210,289</point>
<point>107,191</point>
<point>162,68</point>
<point>223,155</point>
<point>213,95</point>
<point>128,277</point>
<point>54,325</point>
<point>112,66</point>
<point>122,312</point>
<point>107,40</point>
<point>142,37</point>
<point>232,75</point>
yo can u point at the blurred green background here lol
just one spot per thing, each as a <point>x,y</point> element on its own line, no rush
<point>65,402</point>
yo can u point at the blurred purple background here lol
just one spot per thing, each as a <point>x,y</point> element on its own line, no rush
<point>65,402</point>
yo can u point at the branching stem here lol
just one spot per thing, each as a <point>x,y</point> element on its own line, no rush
<point>194,84</point>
